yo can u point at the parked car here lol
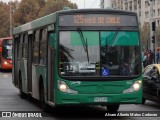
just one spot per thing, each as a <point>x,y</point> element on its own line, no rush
<point>151,83</point>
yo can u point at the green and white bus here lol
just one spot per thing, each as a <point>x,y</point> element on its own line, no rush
<point>77,57</point>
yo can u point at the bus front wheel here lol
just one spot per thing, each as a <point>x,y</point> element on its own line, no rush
<point>143,100</point>
<point>112,108</point>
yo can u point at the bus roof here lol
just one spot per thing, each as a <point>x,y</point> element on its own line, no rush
<point>6,38</point>
<point>47,20</point>
<point>97,11</point>
<point>51,18</point>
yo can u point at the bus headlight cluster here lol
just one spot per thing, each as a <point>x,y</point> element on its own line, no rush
<point>135,87</point>
<point>63,87</point>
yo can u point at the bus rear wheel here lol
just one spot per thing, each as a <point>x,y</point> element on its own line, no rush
<point>22,94</point>
<point>44,106</point>
<point>112,108</point>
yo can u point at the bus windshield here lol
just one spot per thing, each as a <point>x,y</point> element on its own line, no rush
<point>110,53</point>
<point>7,49</point>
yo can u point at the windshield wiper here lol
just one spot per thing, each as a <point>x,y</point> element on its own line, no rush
<point>87,50</point>
<point>84,43</point>
<point>114,37</point>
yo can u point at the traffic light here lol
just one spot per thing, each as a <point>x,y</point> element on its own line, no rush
<point>154,26</point>
<point>153,39</point>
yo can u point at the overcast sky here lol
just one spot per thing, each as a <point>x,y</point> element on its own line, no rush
<point>5,0</point>
<point>80,3</point>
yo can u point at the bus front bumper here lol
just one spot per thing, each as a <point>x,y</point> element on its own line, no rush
<point>98,99</point>
<point>6,66</point>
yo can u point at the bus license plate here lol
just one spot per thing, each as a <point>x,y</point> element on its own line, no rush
<point>100,99</point>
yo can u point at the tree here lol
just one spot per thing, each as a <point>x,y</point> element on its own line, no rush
<point>56,5</point>
<point>27,10</point>
<point>145,36</point>
<point>4,19</point>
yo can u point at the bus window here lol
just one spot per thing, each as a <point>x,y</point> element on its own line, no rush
<point>74,59</point>
<point>20,50</point>
<point>126,61</point>
<point>7,49</point>
<point>43,47</point>
<point>81,56</point>
<point>36,48</point>
<point>25,45</point>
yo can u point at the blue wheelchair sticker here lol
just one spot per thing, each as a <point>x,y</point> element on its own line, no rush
<point>105,72</point>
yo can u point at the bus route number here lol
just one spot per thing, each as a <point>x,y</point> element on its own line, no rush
<point>70,68</point>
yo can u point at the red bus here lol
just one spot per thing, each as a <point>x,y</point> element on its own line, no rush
<point>6,53</point>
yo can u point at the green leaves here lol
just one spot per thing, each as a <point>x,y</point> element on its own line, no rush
<point>4,19</point>
<point>56,5</point>
<point>28,10</point>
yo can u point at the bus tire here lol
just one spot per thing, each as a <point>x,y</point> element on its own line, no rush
<point>1,68</point>
<point>21,93</point>
<point>143,100</point>
<point>44,106</point>
<point>112,108</point>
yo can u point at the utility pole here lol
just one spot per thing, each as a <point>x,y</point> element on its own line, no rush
<point>10,18</point>
<point>151,20</point>
<point>152,31</point>
<point>105,4</point>
<point>102,4</point>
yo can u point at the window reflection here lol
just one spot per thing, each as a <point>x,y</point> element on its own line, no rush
<point>120,53</point>
<point>110,54</point>
<point>73,58</point>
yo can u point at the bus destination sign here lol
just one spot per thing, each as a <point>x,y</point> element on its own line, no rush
<point>97,20</point>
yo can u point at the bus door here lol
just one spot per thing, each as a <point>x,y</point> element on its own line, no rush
<point>15,59</point>
<point>50,68</point>
<point>29,63</point>
<point>23,62</point>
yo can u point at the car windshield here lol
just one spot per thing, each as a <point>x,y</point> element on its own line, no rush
<point>7,49</point>
<point>99,53</point>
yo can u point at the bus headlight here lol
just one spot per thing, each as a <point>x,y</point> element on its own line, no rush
<point>63,87</point>
<point>135,87</point>
<point>5,63</point>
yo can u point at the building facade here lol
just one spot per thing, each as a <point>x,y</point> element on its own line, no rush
<point>142,7</point>
<point>105,3</point>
